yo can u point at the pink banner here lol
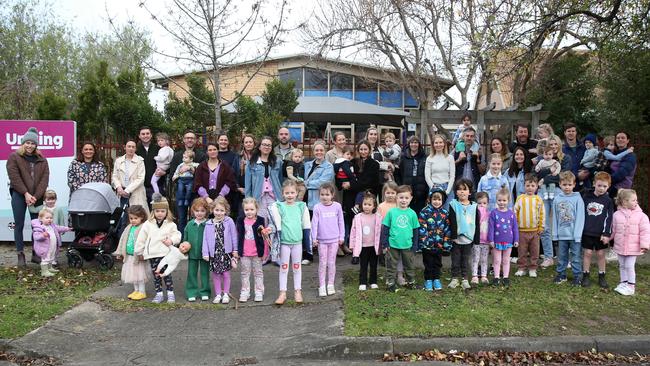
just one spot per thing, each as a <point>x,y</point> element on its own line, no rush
<point>55,138</point>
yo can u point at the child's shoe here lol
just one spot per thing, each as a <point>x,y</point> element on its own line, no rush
<point>559,278</point>
<point>374,286</point>
<point>259,297</point>
<point>243,297</point>
<point>400,279</point>
<point>205,298</point>
<point>361,288</point>
<point>297,296</point>
<point>568,265</point>
<point>547,262</point>
<point>45,271</point>
<point>392,288</point>
<point>217,299</point>
<point>282,297</point>
<point>191,299</point>
<point>225,299</point>
<point>520,273</point>
<point>513,260</point>
<point>52,269</point>
<point>331,290</point>
<point>355,260</point>
<point>437,285</point>
<point>474,280</point>
<point>158,298</point>
<point>454,283</point>
<point>305,262</point>
<point>139,296</point>
<point>322,291</point>
<point>577,282</point>
<point>496,282</point>
<point>484,280</point>
<point>505,282</point>
<point>130,296</point>
<point>532,273</point>
<point>586,282</point>
<point>551,195</point>
<point>465,285</point>
<point>625,289</point>
<point>171,298</point>
<point>602,282</point>
<point>428,285</point>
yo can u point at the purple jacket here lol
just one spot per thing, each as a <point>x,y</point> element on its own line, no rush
<point>229,235</point>
<point>42,243</point>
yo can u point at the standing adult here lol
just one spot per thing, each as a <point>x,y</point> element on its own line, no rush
<point>623,171</point>
<point>262,179</point>
<point>29,175</point>
<point>411,172</point>
<point>225,153</point>
<point>86,168</point>
<point>575,149</point>
<point>439,168</point>
<point>497,146</point>
<point>147,150</point>
<point>189,144</point>
<point>241,161</point>
<point>128,180</point>
<point>212,177</point>
<point>522,138</point>
<point>283,150</point>
<point>372,137</point>
<point>467,162</point>
<point>520,165</point>
<point>337,151</point>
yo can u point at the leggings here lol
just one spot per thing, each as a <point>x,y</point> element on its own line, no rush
<point>626,267</point>
<point>258,273</point>
<point>480,255</point>
<point>216,280</point>
<point>368,258</point>
<point>327,263</point>
<point>293,252</point>
<point>157,281</point>
<point>501,258</point>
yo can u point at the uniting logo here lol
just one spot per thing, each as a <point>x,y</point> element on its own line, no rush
<point>55,138</point>
<point>45,142</point>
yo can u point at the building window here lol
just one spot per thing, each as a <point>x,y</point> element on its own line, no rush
<point>315,79</point>
<point>390,95</point>
<point>340,85</point>
<point>365,90</point>
<point>410,101</point>
<point>294,75</point>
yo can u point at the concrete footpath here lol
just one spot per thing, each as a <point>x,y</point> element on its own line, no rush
<point>255,333</point>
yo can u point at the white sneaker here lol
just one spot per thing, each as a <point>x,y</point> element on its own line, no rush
<point>513,259</point>
<point>205,298</point>
<point>465,285</point>
<point>624,290</point>
<point>374,286</point>
<point>217,299</point>
<point>532,273</point>
<point>568,265</point>
<point>305,262</point>
<point>520,273</point>
<point>259,297</point>
<point>322,291</point>
<point>225,299</point>
<point>362,288</point>
<point>191,299</point>
<point>453,283</point>
<point>243,297</point>
<point>548,262</point>
<point>331,290</point>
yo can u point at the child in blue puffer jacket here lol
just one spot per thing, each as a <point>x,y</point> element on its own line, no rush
<point>434,238</point>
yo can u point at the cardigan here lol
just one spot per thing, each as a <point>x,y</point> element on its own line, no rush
<point>259,240</point>
<point>229,237</point>
<point>225,177</point>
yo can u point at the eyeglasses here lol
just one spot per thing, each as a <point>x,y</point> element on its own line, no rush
<point>266,145</point>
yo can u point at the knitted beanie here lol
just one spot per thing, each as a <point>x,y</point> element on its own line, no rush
<point>30,135</point>
<point>158,201</point>
<point>591,137</point>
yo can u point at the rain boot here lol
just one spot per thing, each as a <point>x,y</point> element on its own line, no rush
<point>45,272</point>
<point>21,260</point>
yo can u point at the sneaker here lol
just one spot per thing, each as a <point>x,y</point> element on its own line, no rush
<point>625,290</point>
<point>374,286</point>
<point>392,288</point>
<point>171,298</point>
<point>505,282</point>
<point>559,279</point>
<point>243,297</point>
<point>520,273</point>
<point>586,282</point>
<point>437,285</point>
<point>496,282</point>
<point>547,262</point>
<point>305,262</point>
<point>484,281</point>
<point>602,282</point>
<point>577,282</point>
<point>191,299</point>
<point>361,288</point>
<point>331,290</point>
<point>217,299</point>
<point>568,265</point>
<point>225,299</point>
<point>139,296</point>
<point>465,285</point>
<point>400,279</point>
<point>619,286</point>
<point>259,297</point>
<point>428,285</point>
<point>454,283</point>
<point>474,280</point>
<point>513,259</point>
<point>158,298</point>
<point>322,291</point>
<point>205,298</point>
<point>532,273</point>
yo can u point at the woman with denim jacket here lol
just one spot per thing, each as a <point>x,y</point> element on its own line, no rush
<point>263,176</point>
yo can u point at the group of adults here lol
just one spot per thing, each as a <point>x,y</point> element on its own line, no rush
<point>256,169</point>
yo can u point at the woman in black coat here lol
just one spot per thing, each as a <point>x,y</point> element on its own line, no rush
<point>411,173</point>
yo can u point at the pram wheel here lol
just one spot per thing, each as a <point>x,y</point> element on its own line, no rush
<point>105,261</point>
<point>74,259</point>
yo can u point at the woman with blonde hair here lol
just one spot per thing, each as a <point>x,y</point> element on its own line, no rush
<point>440,168</point>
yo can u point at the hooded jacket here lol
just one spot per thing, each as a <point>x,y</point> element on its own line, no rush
<point>631,231</point>
<point>568,217</point>
<point>42,243</point>
<point>435,227</point>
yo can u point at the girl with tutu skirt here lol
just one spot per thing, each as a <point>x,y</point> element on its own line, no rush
<point>134,269</point>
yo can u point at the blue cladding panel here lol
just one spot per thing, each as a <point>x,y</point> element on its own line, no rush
<point>366,96</point>
<point>392,99</point>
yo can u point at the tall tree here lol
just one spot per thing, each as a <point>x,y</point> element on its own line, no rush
<point>191,112</point>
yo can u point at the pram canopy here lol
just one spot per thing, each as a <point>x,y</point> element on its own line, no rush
<point>94,197</point>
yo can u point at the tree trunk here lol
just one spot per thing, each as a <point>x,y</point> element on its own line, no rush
<point>216,82</point>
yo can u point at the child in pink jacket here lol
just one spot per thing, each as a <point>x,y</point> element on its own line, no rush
<point>631,233</point>
<point>47,240</point>
<point>364,240</point>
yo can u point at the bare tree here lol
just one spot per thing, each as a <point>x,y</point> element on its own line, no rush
<point>215,34</point>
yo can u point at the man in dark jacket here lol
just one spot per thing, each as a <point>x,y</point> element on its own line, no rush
<point>467,161</point>
<point>189,144</point>
<point>147,149</point>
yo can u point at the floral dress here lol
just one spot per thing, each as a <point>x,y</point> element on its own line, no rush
<point>81,173</point>
<point>220,262</point>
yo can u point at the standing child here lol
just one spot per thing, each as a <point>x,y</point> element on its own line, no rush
<point>547,191</point>
<point>391,154</point>
<point>493,180</point>
<point>481,252</point>
<point>154,239</point>
<point>343,169</point>
<point>631,233</point>
<point>47,240</point>
<point>291,219</point>
<point>219,248</point>
<point>531,214</point>
<point>568,220</point>
<point>294,169</point>
<point>134,270</point>
<point>399,233</point>
<point>599,210</point>
<point>49,201</point>
<point>364,240</point>
<point>465,219</point>
<point>250,231</point>
<point>327,233</point>
<point>184,182</point>
<point>434,238</point>
<point>389,195</point>
<point>163,159</point>
<point>503,235</point>
<point>196,266</point>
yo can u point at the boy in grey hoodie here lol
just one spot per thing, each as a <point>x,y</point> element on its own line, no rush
<point>568,222</point>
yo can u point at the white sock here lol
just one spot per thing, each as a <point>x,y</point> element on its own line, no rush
<point>141,287</point>
<point>136,287</point>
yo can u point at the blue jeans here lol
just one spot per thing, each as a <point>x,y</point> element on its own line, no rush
<point>564,248</point>
<point>18,207</point>
<point>184,191</point>
<point>547,243</point>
